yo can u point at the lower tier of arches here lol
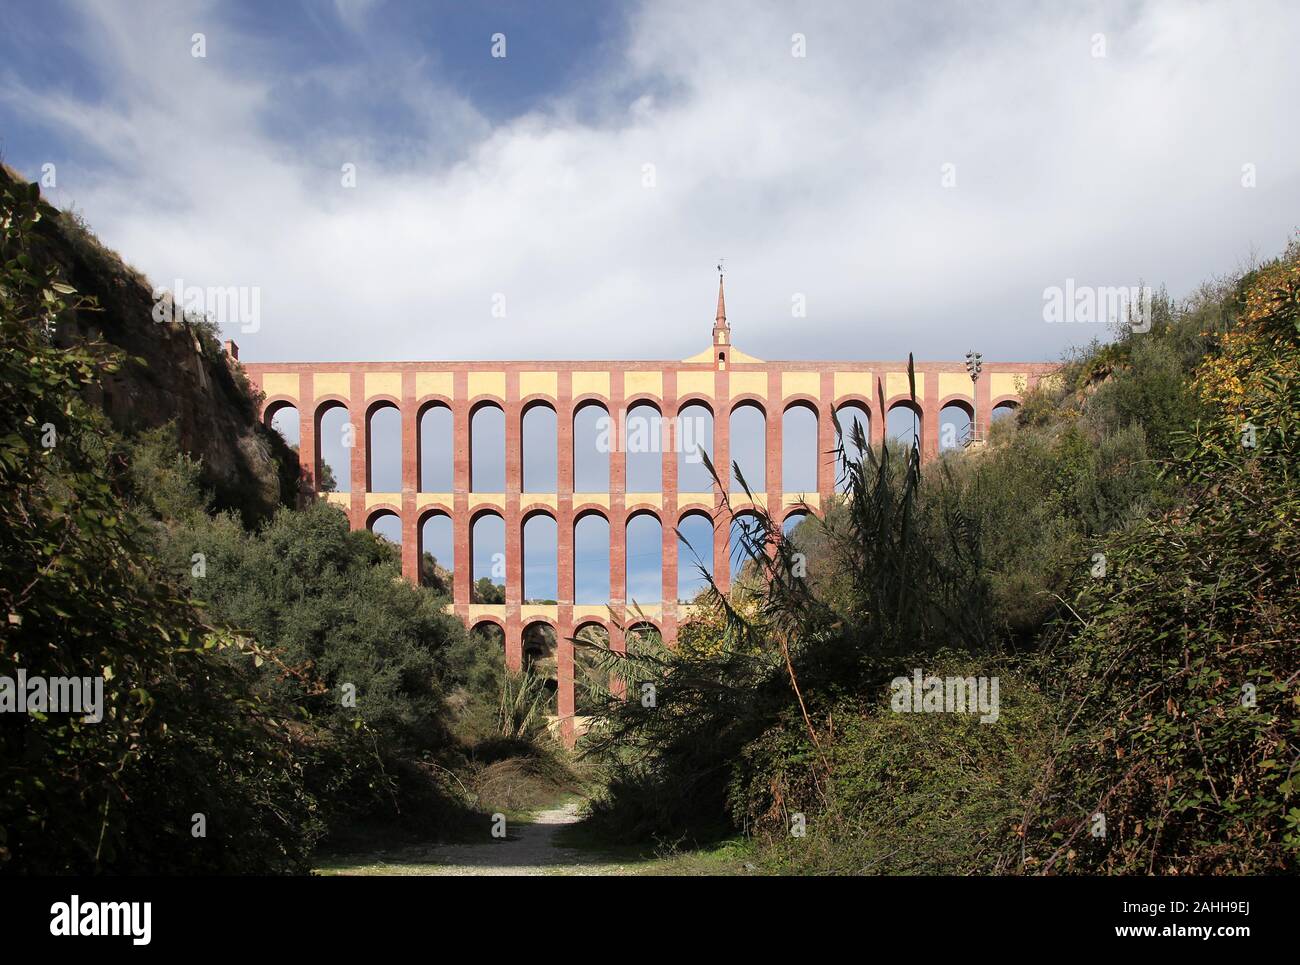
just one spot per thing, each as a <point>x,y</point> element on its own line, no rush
<point>542,639</point>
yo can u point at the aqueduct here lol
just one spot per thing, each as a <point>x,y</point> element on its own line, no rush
<point>720,381</point>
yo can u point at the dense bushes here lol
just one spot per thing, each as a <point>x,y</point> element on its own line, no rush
<point>903,793</point>
<point>265,690</point>
<point>1122,559</point>
<point>183,732</point>
<point>1179,720</point>
<point>394,694</point>
<point>878,596</point>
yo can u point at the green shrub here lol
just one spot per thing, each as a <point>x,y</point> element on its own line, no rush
<point>906,793</point>
<point>1179,720</point>
<point>1124,674</point>
<point>183,732</point>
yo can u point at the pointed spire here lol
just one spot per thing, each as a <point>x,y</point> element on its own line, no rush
<point>721,330</point>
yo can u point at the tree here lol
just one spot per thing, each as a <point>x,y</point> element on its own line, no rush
<point>181,732</point>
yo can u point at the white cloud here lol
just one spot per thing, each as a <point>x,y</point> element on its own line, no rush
<point>818,175</point>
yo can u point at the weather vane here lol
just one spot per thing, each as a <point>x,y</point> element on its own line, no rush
<point>720,261</point>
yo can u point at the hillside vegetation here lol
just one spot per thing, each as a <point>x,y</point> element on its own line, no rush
<point>270,683</point>
<point>1123,560</point>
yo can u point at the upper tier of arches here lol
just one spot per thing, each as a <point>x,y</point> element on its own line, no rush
<point>646,448</point>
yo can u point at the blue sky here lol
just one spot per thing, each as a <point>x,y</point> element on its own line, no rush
<point>882,178</point>
<point>520,182</point>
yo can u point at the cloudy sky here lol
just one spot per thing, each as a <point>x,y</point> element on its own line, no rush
<point>589,180</point>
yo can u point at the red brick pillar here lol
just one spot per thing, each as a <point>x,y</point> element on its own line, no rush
<point>307,443</point>
<point>618,501</point>
<point>564,555</point>
<point>410,480</point>
<point>668,518</point>
<point>463,556</point>
<point>828,466</point>
<point>359,484</point>
<point>513,522</point>
<point>878,416</point>
<point>929,403</point>
<point>722,463</point>
<point>564,697</point>
<point>983,406</point>
<point>617,643</point>
<point>514,641</point>
<point>774,452</point>
<point>564,494</point>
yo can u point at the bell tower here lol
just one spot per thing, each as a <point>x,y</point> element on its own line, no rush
<point>721,330</point>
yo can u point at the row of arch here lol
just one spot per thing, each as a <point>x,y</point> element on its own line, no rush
<point>539,645</point>
<point>538,560</point>
<point>644,435</point>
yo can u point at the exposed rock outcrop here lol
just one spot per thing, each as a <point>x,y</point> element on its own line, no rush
<point>175,371</point>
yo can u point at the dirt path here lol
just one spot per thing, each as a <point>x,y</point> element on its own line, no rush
<point>527,849</point>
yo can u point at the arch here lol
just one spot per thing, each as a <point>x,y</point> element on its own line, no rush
<point>694,552</point>
<point>538,643</point>
<point>386,524</point>
<point>437,535</point>
<point>383,447</point>
<point>540,551</point>
<point>956,424</point>
<point>588,682</point>
<point>487,552</point>
<point>492,632</point>
<point>644,561</point>
<point>282,416</point>
<point>640,628</point>
<point>539,438</point>
<point>793,518</point>
<point>694,398</point>
<point>487,448</point>
<point>1004,407</point>
<point>747,432</point>
<point>644,447</point>
<point>436,445</point>
<point>591,558</point>
<point>791,530</point>
<point>335,436</point>
<point>592,444</point>
<point>849,411</point>
<point>799,448</point>
<point>903,422</point>
<point>847,414</point>
<point>273,404</point>
<point>701,502</point>
<point>694,436</point>
<point>743,524</point>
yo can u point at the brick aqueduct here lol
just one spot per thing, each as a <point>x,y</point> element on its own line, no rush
<point>721,378</point>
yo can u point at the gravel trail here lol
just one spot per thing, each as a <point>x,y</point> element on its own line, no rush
<point>527,849</point>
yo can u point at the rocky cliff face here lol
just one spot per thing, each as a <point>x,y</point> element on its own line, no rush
<point>175,371</point>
